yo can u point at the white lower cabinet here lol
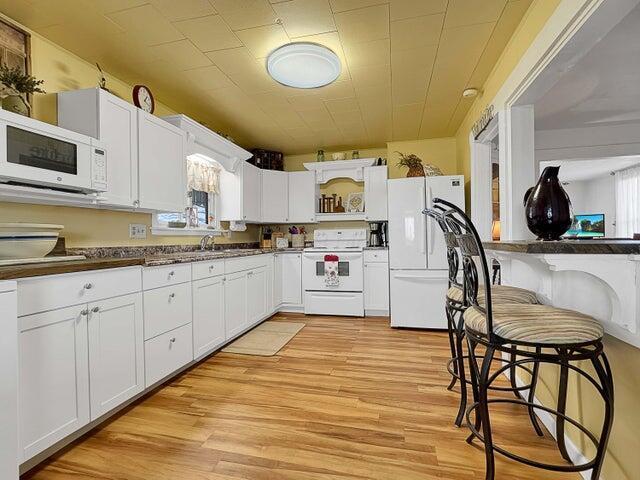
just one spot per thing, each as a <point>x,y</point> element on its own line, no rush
<point>168,352</point>
<point>256,295</point>
<point>277,281</point>
<point>208,315</point>
<point>291,267</point>
<point>116,356</point>
<point>235,303</point>
<point>53,378</point>
<point>376,289</point>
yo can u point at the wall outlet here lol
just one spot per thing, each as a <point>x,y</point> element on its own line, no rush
<point>137,230</point>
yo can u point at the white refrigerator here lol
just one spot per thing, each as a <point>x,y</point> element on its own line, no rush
<point>417,251</point>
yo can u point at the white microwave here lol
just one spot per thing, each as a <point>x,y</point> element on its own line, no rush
<point>34,153</point>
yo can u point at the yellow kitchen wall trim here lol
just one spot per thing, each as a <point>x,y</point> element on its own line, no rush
<point>62,70</point>
<point>620,463</point>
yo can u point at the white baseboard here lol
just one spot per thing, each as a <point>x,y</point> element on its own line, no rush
<point>549,421</point>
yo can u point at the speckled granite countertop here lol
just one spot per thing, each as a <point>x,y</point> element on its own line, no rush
<point>117,257</point>
<point>593,247</point>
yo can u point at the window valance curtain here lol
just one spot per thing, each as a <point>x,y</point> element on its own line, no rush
<point>627,202</point>
<point>202,176</point>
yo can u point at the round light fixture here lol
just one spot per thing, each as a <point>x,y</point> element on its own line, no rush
<point>303,65</point>
<point>470,92</point>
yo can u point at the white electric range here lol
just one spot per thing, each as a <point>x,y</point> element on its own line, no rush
<point>342,249</point>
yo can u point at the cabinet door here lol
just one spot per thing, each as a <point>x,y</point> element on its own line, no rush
<point>116,352</point>
<point>53,377</point>
<point>235,303</point>
<point>302,197</point>
<point>118,129</point>
<point>256,295</point>
<point>251,193</point>
<point>277,281</point>
<point>375,193</point>
<point>376,287</point>
<point>208,315</point>
<point>275,197</point>
<point>9,375</point>
<point>162,164</point>
<point>292,279</point>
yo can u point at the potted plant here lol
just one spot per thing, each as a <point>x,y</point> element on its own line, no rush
<point>15,86</point>
<point>416,169</point>
<point>413,163</point>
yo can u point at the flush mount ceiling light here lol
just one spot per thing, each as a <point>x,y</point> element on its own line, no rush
<point>303,65</point>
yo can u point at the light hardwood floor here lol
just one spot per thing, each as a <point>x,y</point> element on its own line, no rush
<point>345,399</point>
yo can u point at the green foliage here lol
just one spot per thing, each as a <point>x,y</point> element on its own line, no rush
<point>19,81</point>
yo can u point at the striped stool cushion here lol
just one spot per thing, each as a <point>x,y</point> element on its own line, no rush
<point>540,324</point>
<point>499,294</point>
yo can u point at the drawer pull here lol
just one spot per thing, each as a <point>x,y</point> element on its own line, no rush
<point>172,273</point>
<point>95,309</point>
<point>172,295</point>
<point>172,340</point>
<point>88,286</point>
<point>84,312</point>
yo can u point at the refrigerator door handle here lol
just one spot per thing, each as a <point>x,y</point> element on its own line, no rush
<point>430,235</point>
<point>423,225</point>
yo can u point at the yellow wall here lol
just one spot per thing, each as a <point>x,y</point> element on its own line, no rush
<point>584,403</point>
<point>61,70</point>
<point>531,24</point>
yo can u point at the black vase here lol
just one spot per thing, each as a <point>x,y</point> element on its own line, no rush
<point>547,207</point>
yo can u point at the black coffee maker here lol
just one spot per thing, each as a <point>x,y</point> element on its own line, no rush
<point>377,234</point>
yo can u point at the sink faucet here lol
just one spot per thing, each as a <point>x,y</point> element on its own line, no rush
<point>204,241</point>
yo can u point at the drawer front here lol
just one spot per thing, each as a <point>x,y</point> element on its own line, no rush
<point>166,353</point>
<point>376,256</point>
<point>233,265</point>
<point>166,308</point>
<point>334,303</point>
<point>40,294</point>
<point>201,270</point>
<point>155,277</point>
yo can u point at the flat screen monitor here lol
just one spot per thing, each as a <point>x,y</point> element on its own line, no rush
<point>587,225</point>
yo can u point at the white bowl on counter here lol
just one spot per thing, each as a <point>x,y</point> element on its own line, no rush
<point>27,240</point>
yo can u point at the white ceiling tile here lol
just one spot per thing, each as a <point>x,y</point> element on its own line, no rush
<point>400,9</point>
<point>183,9</point>
<point>416,32</point>
<point>305,17</point>
<point>470,12</point>
<point>344,5</point>
<point>183,54</point>
<point>147,25</point>
<point>363,25</point>
<point>209,33</point>
<point>243,14</point>
<point>261,41</point>
<point>366,54</point>
<point>207,78</point>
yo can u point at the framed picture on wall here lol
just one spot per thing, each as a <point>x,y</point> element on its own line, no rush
<point>15,49</point>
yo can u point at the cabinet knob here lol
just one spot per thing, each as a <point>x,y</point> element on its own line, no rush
<point>88,286</point>
<point>84,312</point>
<point>172,340</point>
<point>210,267</point>
<point>95,309</point>
<point>172,295</point>
<point>172,273</point>
<point>136,203</point>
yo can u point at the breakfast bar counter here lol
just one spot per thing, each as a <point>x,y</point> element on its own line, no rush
<point>596,277</point>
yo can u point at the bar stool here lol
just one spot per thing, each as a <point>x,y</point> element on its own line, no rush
<point>455,307</point>
<point>536,334</point>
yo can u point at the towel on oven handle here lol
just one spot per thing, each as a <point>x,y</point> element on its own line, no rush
<point>331,278</point>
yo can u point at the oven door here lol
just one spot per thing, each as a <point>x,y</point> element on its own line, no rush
<point>35,153</point>
<point>350,271</point>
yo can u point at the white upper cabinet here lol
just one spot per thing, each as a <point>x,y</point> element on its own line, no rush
<point>114,122</point>
<point>375,193</point>
<point>275,196</point>
<point>162,164</point>
<point>240,194</point>
<point>302,197</point>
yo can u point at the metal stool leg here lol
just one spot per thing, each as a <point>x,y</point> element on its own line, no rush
<point>562,404</point>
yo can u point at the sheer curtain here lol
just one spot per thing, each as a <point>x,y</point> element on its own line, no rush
<point>628,202</point>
